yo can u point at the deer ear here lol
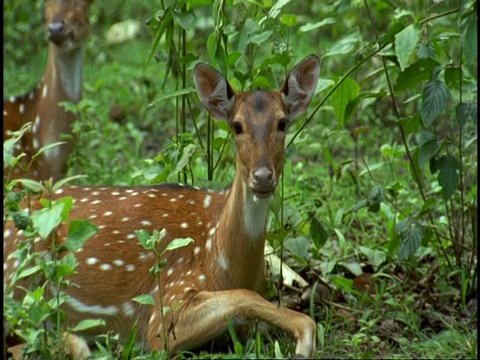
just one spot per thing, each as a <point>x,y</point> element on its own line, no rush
<point>299,87</point>
<point>215,92</point>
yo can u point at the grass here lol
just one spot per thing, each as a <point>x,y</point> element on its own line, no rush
<point>412,312</point>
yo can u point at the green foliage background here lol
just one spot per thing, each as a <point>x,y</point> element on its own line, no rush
<point>381,171</point>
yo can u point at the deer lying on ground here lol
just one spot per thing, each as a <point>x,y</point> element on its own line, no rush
<point>220,276</point>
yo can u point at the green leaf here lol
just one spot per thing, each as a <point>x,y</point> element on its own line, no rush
<point>79,231</point>
<point>375,198</point>
<point>426,151</point>
<point>415,73</point>
<point>46,220</point>
<point>469,37</point>
<point>411,235</point>
<point>298,246</point>
<point>288,19</point>
<point>87,324</point>
<point>179,243</point>
<point>448,176</point>
<point>32,185</point>
<point>411,124</point>
<point>435,97</point>
<point>405,44</point>
<point>144,299</point>
<point>277,7</point>
<point>342,283</point>
<point>309,27</point>
<point>258,39</point>
<point>318,233</point>
<point>375,257</point>
<point>145,239</point>
<point>342,96</point>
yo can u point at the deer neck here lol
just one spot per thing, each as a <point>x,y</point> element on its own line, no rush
<point>241,237</point>
<point>64,73</point>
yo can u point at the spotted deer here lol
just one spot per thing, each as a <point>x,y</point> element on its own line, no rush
<point>67,28</point>
<point>220,276</point>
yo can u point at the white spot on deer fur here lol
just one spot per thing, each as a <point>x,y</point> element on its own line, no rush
<point>131,236</point>
<point>138,205</point>
<point>152,318</point>
<point>106,244</point>
<point>36,124</point>
<point>125,219</point>
<point>187,289</point>
<point>202,277</point>
<point>16,264</point>
<point>91,261</point>
<point>208,244</point>
<point>222,262</point>
<point>207,201</point>
<point>36,143</point>
<point>181,196</point>
<point>32,94</point>
<point>134,193</point>
<point>45,91</point>
<point>12,99</point>
<point>211,232</point>
<point>130,267</point>
<point>180,260</point>
<point>103,226</point>
<point>118,262</point>
<point>181,282</point>
<point>170,272</point>
<point>146,223</point>
<point>91,309</point>
<point>84,200</point>
<point>115,193</point>
<point>93,216</point>
<point>184,225</point>
<point>128,309</point>
<point>7,233</point>
<point>95,202</point>
<point>128,191</point>
<point>122,198</point>
<point>196,251</point>
<point>95,193</point>
<point>152,195</point>
<point>105,267</point>
<point>59,191</point>
<point>5,266</point>
<point>173,200</point>
<point>21,108</point>
<point>108,213</point>
<point>191,202</point>
<point>165,215</point>
<point>116,232</point>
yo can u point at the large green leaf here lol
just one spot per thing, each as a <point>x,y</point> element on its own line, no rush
<point>435,97</point>
<point>405,44</point>
<point>341,98</point>
<point>415,73</point>
<point>79,231</point>
<point>426,151</point>
<point>411,234</point>
<point>46,220</point>
<point>318,233</point>
<point>448,176</point>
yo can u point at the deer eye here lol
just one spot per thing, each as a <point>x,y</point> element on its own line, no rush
<point>282,124</point>
<point>237,127</point>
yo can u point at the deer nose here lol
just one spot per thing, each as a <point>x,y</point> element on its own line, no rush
<point>263,178</point>
<point>56,33</point>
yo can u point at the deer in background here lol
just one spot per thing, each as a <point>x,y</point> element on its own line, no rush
<point>68,28</point>
<point>220,277</point>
